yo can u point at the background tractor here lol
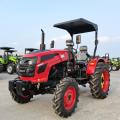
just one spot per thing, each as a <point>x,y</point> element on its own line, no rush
<point>115,64</point>
<point>107,56</point>
<point>8,60</point>
<point>29,50</point>
<point>59,72</point>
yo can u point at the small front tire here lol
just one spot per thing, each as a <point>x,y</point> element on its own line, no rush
<point>22,99</point>
<point>66,97</point>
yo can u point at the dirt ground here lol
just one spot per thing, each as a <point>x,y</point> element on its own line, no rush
<point>40,107</point>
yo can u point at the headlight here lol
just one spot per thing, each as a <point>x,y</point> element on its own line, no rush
<point>30,62</point>
<point>28,70</point>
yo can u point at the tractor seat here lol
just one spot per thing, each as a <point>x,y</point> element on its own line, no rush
<point>82,54</point>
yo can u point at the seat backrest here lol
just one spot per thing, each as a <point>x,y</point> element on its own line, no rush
<point>82,56</point>
<point>83,48</point>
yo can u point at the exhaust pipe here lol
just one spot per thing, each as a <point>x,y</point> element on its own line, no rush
<point>52,44</point>
<point>42,45</point>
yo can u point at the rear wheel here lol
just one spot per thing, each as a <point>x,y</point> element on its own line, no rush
<point>100,81</point>
<point>115,68</point>
<point>10,68</point>
<point>1,68</point>
<point>66,97</point>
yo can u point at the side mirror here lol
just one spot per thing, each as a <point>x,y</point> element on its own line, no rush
<point>78,39</point>
<point>52,44</point>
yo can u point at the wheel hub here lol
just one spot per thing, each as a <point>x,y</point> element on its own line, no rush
<point>105,80</point>
<point>114,67</point>
<point>69,98</point>
<point>9,69</point>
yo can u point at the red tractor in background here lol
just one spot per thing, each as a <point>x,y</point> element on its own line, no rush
<point>59,72</point>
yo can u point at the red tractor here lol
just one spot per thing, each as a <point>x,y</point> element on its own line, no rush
<point>59,72</point>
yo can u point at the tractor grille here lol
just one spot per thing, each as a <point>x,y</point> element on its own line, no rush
<point>26,70</point>
<point>22,68</point>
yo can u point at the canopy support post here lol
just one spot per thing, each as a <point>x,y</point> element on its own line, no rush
<point>96,43</point>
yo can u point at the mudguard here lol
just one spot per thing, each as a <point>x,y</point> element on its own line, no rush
<point>91,66</point>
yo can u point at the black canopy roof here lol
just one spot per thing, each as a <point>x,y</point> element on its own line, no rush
<point>30,49</point>
<point>10,51</point>
<point>6,48</point>
<point>77,26</point>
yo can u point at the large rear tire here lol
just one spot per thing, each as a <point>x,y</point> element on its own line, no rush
<point>100,81</point>
<point>66,97</point>
<point>1,68</point>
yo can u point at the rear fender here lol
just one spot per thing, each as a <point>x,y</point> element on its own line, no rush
<point>91,66</point>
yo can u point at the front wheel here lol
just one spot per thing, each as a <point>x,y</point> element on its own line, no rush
<point>100,81</point>
<point>66,97</point>
<point>22,99</point>
<point>10,68</point>
<point>115,68</point>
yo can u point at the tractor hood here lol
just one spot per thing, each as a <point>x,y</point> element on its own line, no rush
<point>77,26</point>
<point>44,52</point>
